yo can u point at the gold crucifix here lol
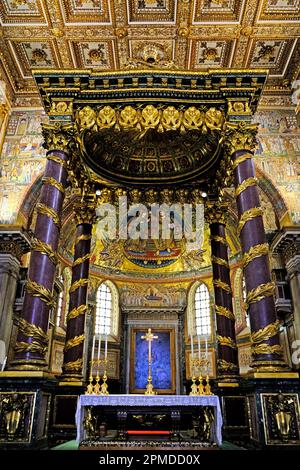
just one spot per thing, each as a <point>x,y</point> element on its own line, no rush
<point>149,336</point>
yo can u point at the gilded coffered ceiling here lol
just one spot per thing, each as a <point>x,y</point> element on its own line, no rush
<point>104,35</point>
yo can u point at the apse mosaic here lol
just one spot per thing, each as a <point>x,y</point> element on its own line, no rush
<point>143,295</point>
<point>22,160</point>
<point>278,155</point>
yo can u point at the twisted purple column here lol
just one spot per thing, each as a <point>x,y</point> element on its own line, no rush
<point>227,348</point>
<point>31,345</point>
<point>266,350</point>
<point>73,352</point>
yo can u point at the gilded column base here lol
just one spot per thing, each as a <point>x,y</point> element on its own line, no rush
<point>26,374</point>
<point>32,364</point>
<point>228,380</point>
<point>269,366</point>
<point>271,369</point>
<point>273,375</point>
<point>75,383</point>
<point>71,378</point>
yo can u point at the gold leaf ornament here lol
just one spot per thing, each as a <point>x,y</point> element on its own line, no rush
<point>86,117</point>
<point>107,117</point>
<point>171,118</point>
<point>128,117</point>
<point>192,118</point>
<point>214,119</point>
<point>150,117</point>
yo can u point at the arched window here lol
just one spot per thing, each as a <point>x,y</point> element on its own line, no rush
<point>202,311</point>
<point>107,310</point>
<point>103,310</point>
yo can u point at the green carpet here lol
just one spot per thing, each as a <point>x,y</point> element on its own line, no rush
<point>230,446</point>
<point>72,445</point>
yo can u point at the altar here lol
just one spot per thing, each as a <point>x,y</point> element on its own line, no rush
<point>177,418</point>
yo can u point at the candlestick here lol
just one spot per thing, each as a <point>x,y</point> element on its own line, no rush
<point>192,347</point>
<point>105,348</point>
<point>99,354</point>
<point>93,354</point>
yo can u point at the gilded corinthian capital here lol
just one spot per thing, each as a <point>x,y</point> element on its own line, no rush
<point>240,136</point>
<point>85,212</point>
<point>57,136</point>
<point>216,212</point>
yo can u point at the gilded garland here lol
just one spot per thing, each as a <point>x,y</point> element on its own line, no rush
<point>162,118</point>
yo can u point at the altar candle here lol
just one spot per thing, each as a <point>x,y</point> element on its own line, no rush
<point>192,346</point>
<point>199,348</point>
<point>206,349</point>
<point>99,349</point>
<point>105,350</point>
<point>93,352</point>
